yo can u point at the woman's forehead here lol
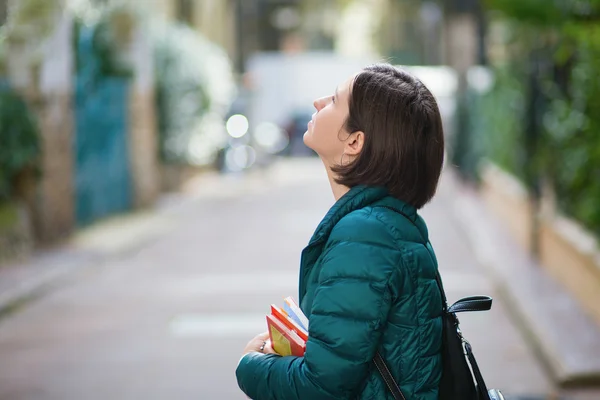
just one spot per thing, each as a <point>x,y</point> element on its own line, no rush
<point>345,87</point>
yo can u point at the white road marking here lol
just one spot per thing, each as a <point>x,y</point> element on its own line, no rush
<point>217,325</point>
<point>229,324</point>
<point>241,283</point>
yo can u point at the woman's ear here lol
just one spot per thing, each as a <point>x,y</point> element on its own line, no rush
<point>354,144</point>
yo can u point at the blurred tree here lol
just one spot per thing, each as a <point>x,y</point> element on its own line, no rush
<point>554,54</point>
<point>194,88</point>
<point>27,23</point>
<point>185,11</point>
<point>3,11</point>
<point>114,23</point>
<point>399,34</point>
<point>19,136</point>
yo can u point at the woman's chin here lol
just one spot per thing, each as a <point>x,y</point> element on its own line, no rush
<point>306,139</point>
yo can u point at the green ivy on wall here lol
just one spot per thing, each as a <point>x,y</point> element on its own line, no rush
<point>195,86</point>
<point>572,127</point>
<point>19,136</point>
<point>28,23</point>
<point>567,151</point>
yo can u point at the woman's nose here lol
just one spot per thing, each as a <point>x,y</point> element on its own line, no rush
<point>319,103</point>
<point>316,104</point>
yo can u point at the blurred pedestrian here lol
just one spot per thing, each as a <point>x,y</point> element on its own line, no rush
<point>368,275</point>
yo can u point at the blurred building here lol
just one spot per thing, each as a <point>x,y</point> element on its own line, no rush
<point>241,27</point>
<point>404,31</point>
<point>91,92</point>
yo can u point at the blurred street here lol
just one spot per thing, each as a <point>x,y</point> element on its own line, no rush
<point>170,321</point>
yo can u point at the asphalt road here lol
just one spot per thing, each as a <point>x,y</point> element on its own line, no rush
<point>169,320</point>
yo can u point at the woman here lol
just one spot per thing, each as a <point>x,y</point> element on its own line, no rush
<point>367,277</point>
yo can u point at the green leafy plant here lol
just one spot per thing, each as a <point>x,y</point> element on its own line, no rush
<point>113,24</point>
<point>19,136</point>
<point>502,111</point>
<point>572,126</point>
<point>194,88</point>
<point>28,24</point>
<point>568,151</point>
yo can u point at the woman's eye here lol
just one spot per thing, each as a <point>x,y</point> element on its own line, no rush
<point>333,99</point>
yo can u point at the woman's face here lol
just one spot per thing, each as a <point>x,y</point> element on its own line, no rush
<point>326,134</point>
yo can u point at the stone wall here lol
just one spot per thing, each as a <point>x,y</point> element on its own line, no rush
<point>143,148</point>
<point>47,90</point>
<point>54,203</point>
<point>54,214</point>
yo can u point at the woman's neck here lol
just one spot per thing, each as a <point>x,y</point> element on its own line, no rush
<point>337,189</point>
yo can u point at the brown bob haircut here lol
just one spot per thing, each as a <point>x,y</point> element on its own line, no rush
<point>404,139</point>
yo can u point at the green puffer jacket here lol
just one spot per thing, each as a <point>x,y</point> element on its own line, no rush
<point>367,284</point>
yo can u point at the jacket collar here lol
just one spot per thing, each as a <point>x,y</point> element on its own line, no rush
<point>408,211</point>
<point>358,197</point>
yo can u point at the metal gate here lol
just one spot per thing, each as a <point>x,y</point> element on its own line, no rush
<point>101,148</point>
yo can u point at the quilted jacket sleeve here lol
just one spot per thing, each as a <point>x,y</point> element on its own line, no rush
<point>351,305</point>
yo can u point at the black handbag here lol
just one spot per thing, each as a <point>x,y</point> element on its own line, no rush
<point>461,377</point>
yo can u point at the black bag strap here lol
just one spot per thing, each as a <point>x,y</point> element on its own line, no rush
<point>438,279</point>
<point>481,386</point>
<point>388,378</point>
<point>473,303</point>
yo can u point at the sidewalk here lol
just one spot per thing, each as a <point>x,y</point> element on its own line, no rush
<point>46,270</point>
<point>563,337</point>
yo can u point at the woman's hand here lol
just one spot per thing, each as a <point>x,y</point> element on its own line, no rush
<point>261,344</point>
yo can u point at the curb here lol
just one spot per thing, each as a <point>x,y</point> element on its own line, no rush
<point>562,336</point>
<point>85,250</point>
<point>34,287</point>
